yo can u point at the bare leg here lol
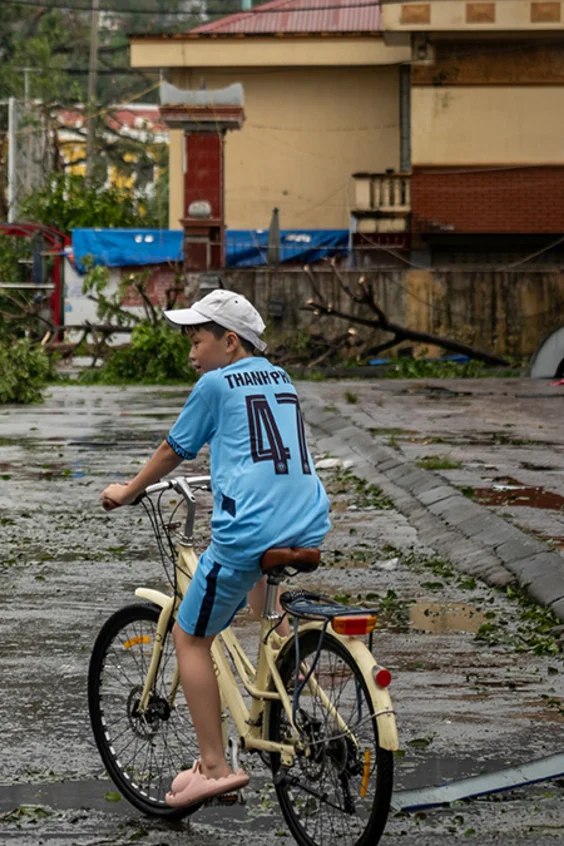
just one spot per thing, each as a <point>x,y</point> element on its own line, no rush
<point>256,599</point>
<point>202,695</point>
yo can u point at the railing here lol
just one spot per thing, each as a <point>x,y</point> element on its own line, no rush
<point>386,193</point>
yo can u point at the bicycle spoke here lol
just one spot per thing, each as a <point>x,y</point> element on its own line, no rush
<point>328,796</point>
<point>142,751</point>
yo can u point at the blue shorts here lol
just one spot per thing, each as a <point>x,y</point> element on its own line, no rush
<point>214,596</point>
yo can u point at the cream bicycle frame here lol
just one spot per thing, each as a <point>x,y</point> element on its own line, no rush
<point>263,684</point>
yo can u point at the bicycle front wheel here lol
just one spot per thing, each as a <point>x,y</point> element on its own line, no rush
<point>141,752</point>
<point>339,789</point>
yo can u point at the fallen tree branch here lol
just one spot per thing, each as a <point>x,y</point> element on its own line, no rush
<point>381,322</point>
<point>332,349</point>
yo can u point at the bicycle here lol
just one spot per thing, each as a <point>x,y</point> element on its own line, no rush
<point>320,714</point>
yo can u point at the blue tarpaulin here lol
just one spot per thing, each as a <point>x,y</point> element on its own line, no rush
<point>126,247</point>
<point>245,248</point>
<point>248,248</point>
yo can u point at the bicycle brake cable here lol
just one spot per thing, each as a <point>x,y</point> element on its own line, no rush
<point>275,626</point>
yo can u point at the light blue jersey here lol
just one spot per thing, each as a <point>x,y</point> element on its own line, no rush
<point>265,488</point>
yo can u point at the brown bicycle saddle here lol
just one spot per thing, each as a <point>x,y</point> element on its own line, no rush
<point>301,558</point>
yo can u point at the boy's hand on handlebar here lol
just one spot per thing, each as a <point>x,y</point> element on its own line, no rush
<point>115,496</point>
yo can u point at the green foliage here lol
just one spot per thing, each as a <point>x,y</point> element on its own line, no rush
<point>24,370</point>
<point>68,202</point>
<point>52,39</point>
<point>534,632</point>
<point>438,462</point>
<point>12,251</point>
<point>155,208</point>
<point>14,303</point>
<point>417,368</point>
<point>48,41</point>
<point>109,308</point>
<point>365,495</point>
<point>157,354</point>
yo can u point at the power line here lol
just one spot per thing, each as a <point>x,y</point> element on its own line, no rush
<point>30,130</point>
<point>121,71</point>
<point>533,255</point>
<point>258,10</point>
<point>458,52</point>
<point>59,4</point>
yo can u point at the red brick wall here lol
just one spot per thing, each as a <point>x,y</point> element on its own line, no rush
<point>511,200</point>
<point>204,171</point>
<point>161,277</point>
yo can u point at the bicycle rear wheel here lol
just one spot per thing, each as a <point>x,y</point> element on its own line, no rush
<point>142,753</point>
<point>339,792</point>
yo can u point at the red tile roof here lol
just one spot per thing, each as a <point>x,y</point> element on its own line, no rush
<point>298,16</point>
<point>132,116</point>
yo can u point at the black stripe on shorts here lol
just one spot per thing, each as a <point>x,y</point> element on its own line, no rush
<point>207,603</point>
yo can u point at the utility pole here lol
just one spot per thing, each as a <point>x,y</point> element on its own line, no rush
<point>29,139</point>
<point>12,119</point>
<point>92,74</point>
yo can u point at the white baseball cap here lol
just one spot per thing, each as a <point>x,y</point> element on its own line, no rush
<point>226,308</point>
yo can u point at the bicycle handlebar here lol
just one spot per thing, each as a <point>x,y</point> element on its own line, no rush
<point>181,484</point>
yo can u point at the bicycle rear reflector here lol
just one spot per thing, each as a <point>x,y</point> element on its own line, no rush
<point>134,641</point>
<point>365,773</point>
<point>381,676</point>
<point>354,625</point>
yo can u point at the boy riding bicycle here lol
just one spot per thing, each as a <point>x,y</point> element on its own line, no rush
<point>266,494</point>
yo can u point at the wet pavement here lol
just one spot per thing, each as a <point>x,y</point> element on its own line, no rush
<point>499,436</point>
<point>477,675</point>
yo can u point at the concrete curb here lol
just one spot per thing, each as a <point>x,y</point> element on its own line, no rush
<point>476,540</point>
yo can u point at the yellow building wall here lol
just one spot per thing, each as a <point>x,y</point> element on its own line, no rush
<point>487,125</point>
<point>176,179</point>
<point>283,51</point>
<point>307,130</point>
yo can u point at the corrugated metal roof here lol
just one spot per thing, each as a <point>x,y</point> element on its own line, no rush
<point>298,16</point>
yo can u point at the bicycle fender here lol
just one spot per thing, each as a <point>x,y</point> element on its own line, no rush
<point>381,700</point>
<point>156,597</point>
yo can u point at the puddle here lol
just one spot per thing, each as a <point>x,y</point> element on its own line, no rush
<point>93,444</point>
<point>392,431</point>
<point>442,617</point>
<point>538,468</point>
<point>427,769</point>
<point>46,471</point>
<point>511,493</point>
<point>435,392</point>
<point>100,795</point>
<point>153,415</point>
<point>492,439</point>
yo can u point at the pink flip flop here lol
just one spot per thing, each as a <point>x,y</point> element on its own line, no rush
<point>183,778</point>
<point>198,787</point>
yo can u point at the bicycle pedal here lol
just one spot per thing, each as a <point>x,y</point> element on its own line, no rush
<point>226,800</point>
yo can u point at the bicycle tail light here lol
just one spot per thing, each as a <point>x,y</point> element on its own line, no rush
<point>135,641</point>
<point>365,773</point>
<point>381,676</point>
<point>354,625</point>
